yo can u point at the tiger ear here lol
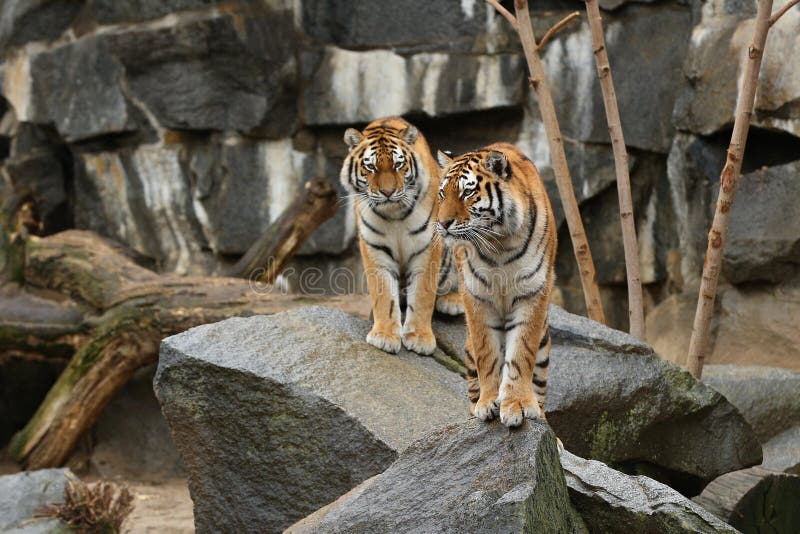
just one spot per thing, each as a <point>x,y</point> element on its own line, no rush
<point>444,159</point>
<point>352,137</point>
<point>497,162</point>
<point>410,134</point>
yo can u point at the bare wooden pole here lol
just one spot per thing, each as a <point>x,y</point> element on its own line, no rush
<point>629,242</point>
<point>729,182</point>
<point>583,254</point>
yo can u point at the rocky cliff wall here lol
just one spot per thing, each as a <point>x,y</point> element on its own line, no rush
<point>184,127</point>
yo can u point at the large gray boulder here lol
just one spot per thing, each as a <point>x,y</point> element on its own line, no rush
<point>612,502</point>
<point>768,397</point>
<point>782,452</point>
<point>611,398</point>
<point>276,416</point>
<point>763,242</point>
<point>466,477</point>
<point>23,494</point>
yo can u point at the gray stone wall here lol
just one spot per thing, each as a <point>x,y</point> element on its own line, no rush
<point>184,127</point>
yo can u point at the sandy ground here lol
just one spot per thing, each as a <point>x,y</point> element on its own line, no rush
<point>163,508</point>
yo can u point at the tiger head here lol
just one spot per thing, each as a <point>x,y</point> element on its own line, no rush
<point>479,201</point>
<point>381,167</point>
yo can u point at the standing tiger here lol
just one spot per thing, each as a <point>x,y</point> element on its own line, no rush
<point>394,180</point>
<point>495,214</point>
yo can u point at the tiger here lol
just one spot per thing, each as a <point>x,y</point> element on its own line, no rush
<point>495,214</point>
<point>393,179</point>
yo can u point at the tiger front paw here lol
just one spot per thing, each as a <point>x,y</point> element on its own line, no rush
<point>420,342</point>
<point>513,411</point>
<point>487,410</point>
<point>387,342</point>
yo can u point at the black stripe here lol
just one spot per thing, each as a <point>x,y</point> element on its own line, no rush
<point>424,225</point>
<point>445,271</point>
<point>371,228</point>
<point>472,373</point>
<point>494,364</point>
<point>544,363</point>
<point>531,227</point>
<point>545,339</point>
<point>515,365</point>
<point>539,383</point>
<point>480,278</point>
<point>417,253</point>
<point>469,356</point>
<point>382,248</point>
<point>528,295</point>
<point>527,347</point>
<point>505,328</point>
<point>533,272</point>
<point>479,298</point>
<point>381,215</point>
<point>499,195</point>
<point>485,258</point>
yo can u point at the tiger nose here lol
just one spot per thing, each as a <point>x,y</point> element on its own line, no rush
<point>446,224</point>
<point>387,192</point>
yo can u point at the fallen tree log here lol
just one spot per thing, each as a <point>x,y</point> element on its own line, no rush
<point>132,310</point>
<point>754,500</point>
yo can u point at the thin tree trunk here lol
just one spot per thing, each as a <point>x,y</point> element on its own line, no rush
<point>268,256</point>
<point>729,182</point>
<point>558,158</point>
<point>630,244</point>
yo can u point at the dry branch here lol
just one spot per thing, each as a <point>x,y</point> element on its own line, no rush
<point>778,14</point>
<point>269,255</point>
<point>549,34</point>
<point>729,182</point>
<point>627,220</point>
<point>558,157</point>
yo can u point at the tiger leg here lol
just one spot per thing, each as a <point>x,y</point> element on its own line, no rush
<point>449,300</point>
<point>384,294</point>
<point>483,346</point>
<point>518,399</point>
<point>541,367</point>
<point>422,282</point>
<point>473,384</point>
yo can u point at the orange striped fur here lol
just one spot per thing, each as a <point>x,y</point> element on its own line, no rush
<point>494,213</point>
<point>394,179</point>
